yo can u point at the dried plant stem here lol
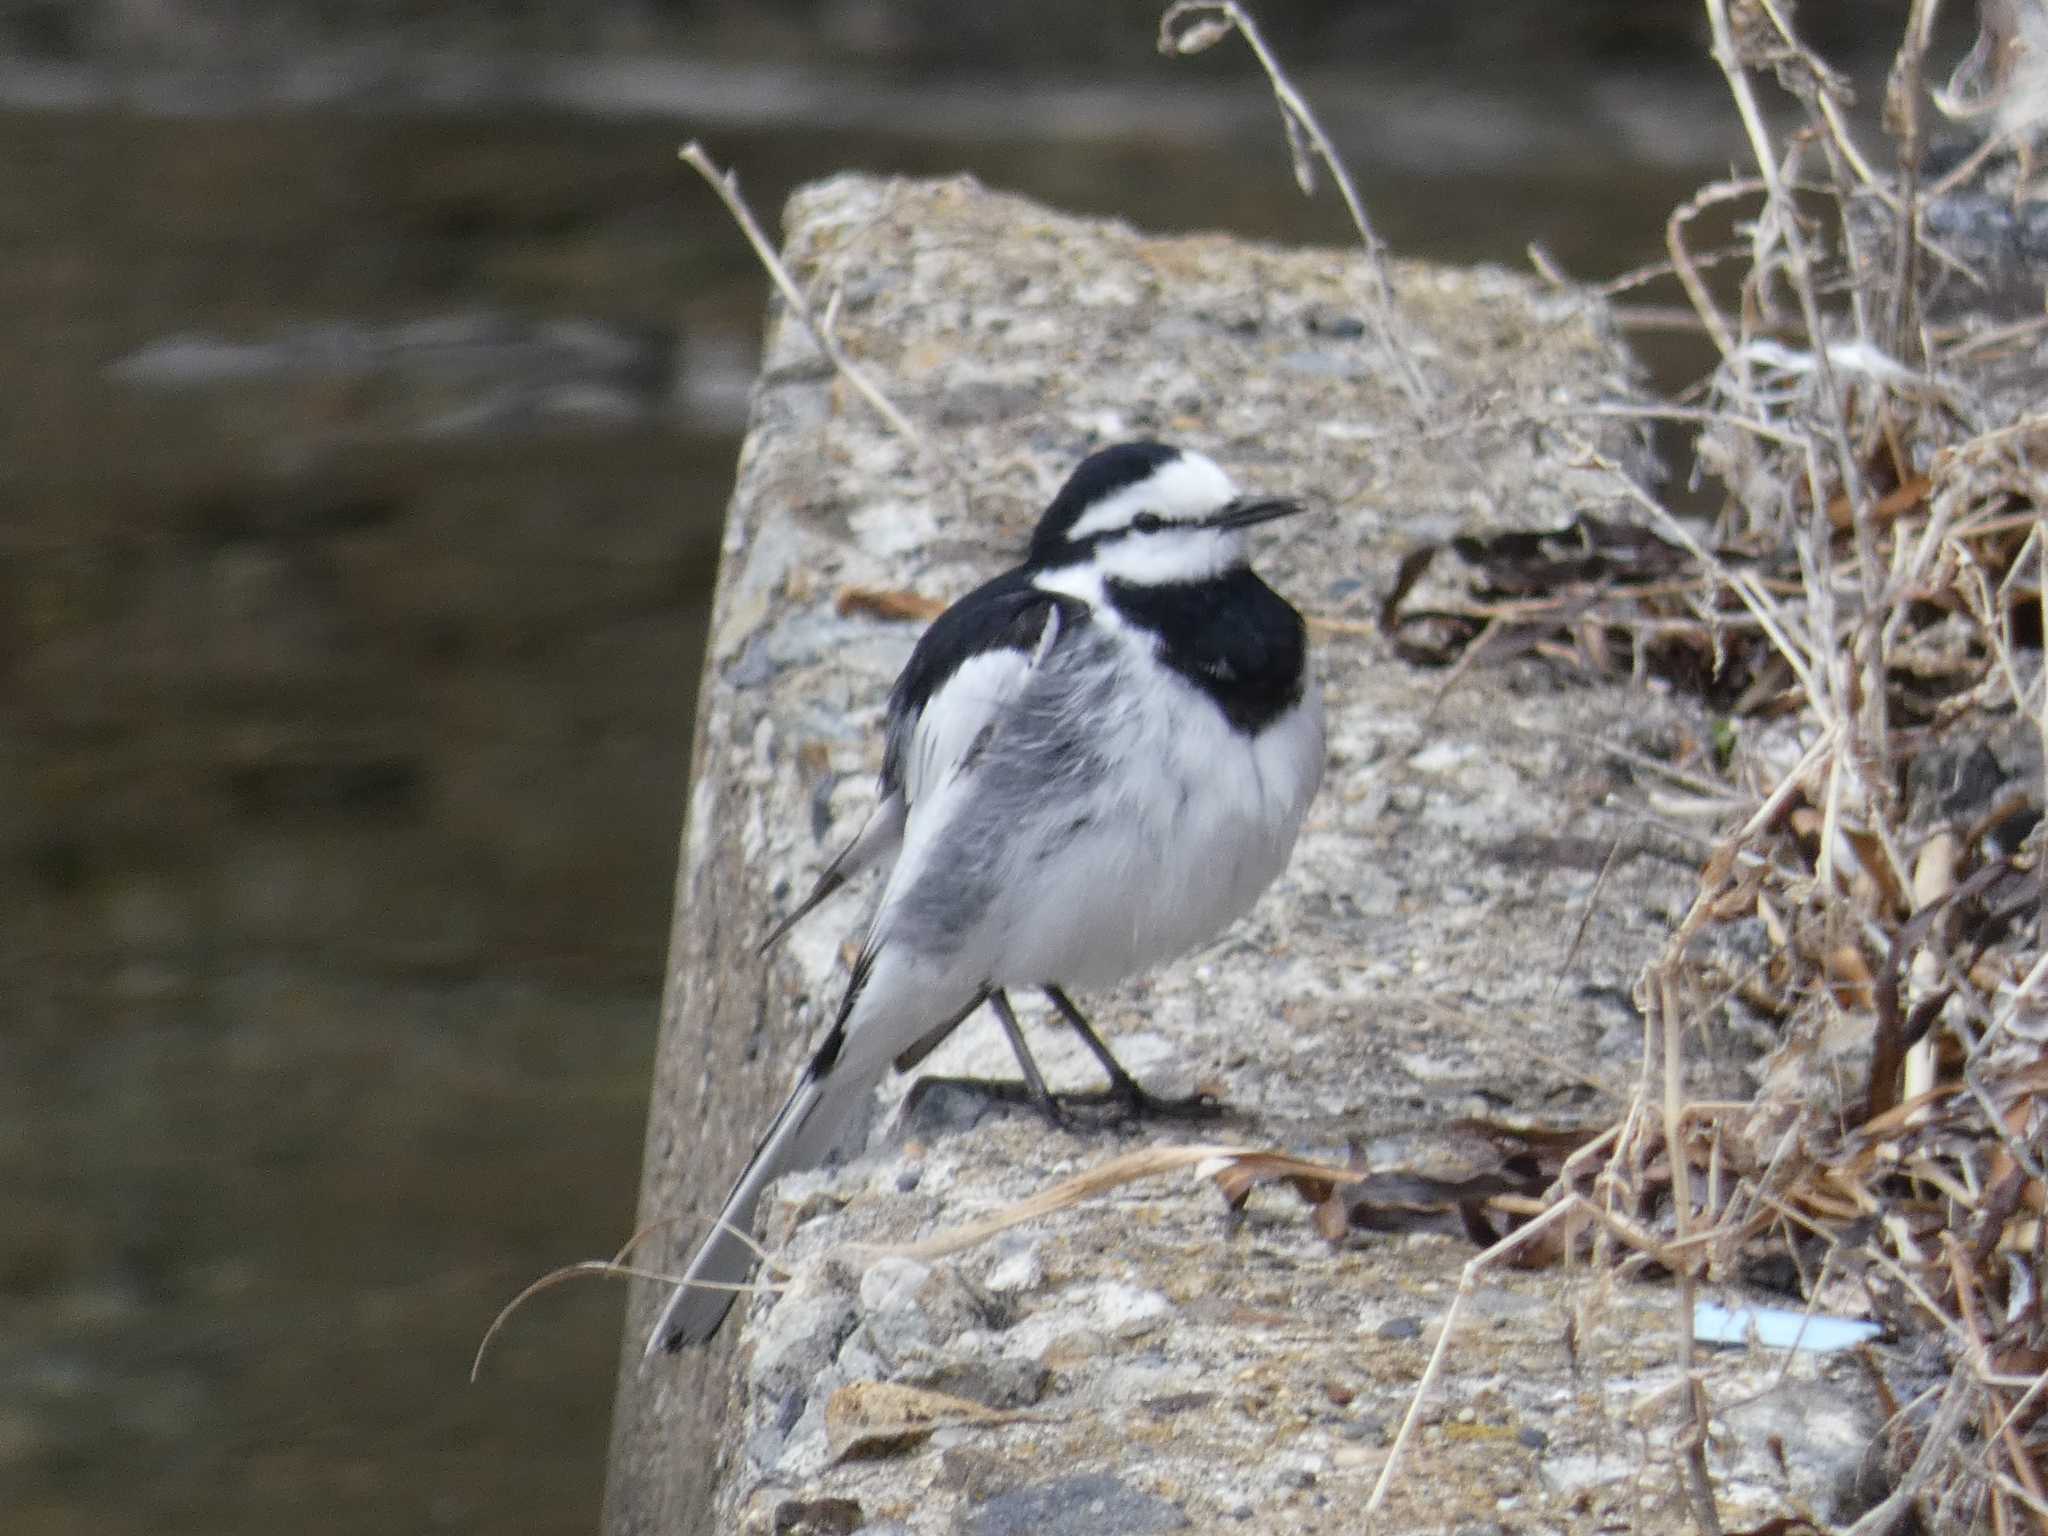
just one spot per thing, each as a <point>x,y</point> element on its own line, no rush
<point>1298,115</point>
<point>1190,26</point>
<point>1744,584</point>
<point>1923,584</point>
<point>1902,333</point>
<point>1468,1280</point>
<point>1781,219</point>
<point>1699,1488</point>
<point>1145,1163</point>
<point>616,1268</point>
<point>2001,1423</point>
<point>1586,909</point>
<point>1934,1447</point>
<point>1686,269</point>
<point>726,185</point>
<point>1838,130</point>
<point>2041,716</point>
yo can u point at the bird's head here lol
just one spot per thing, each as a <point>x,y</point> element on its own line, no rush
<point>1151,515</point>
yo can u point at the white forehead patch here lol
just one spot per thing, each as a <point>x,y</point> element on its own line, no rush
<point>1183,489</point>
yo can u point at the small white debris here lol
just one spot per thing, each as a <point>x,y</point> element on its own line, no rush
<point>1441,756</point>
<point>1127,1310</point>
<point>1016,1272</point>
<point>1779,1328</point>
<point>892,1283</point>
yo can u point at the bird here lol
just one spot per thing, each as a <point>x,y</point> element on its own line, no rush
<point>1092,763</point>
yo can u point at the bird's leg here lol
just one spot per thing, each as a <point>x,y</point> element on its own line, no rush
<point>1124,1088</point>
<point>1032,1090</point>
<point>1034,1081</point>
<point>1124,1091</point>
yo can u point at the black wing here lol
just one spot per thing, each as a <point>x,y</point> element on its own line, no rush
<point>1005,615</point>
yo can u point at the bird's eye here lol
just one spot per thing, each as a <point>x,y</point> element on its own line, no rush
<point>1147,522</point>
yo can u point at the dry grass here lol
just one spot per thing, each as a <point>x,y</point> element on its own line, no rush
<point>1868,613</point>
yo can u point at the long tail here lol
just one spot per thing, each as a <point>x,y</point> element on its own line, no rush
<point>803,1132</point>
<point>826,1099</point>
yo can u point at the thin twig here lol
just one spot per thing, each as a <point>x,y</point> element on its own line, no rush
<point>1191,26</point>
<point>1699,1489</point>
<point>1902,332</point>
<point>727,186</point>
<point>1779,218</point>
<point>1937,1443</point>
<point>1468,1280</point>
<point>1686,269</point>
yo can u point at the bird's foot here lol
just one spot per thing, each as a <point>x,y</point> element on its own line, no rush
<point>1135,1103</point>
<point>958,1103</point>
<point>1127,1102</point>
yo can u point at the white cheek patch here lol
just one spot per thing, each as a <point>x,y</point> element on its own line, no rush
<point>1173,556</point>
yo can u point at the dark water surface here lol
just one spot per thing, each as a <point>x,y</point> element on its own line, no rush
<point>359,487</point>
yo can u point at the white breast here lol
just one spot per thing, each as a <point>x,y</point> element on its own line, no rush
<point>1113,820</point>
<point>1174,850</point>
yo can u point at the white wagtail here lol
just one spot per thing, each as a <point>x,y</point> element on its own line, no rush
<point>1093,763</point>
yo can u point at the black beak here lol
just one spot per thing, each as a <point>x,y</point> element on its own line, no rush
<point>1249,510</point>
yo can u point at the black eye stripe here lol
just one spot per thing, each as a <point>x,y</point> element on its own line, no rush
<point>1147,522</point>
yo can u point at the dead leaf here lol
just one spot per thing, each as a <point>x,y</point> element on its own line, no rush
<point>1888,508</point>
<point>1849,978</point>
<point>887,603</point>
<point>1505,1167</point>
<point>880,1418</point>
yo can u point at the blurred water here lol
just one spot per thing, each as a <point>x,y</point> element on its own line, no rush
<point>359,484</point>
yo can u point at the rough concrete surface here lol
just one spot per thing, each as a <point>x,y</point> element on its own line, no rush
<point>1157,1366</point>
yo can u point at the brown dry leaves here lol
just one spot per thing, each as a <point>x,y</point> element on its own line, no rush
<point>882,1418</point>
<point>1866,616</point>
<point>892,603</point>
<point>1506,1168</point>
